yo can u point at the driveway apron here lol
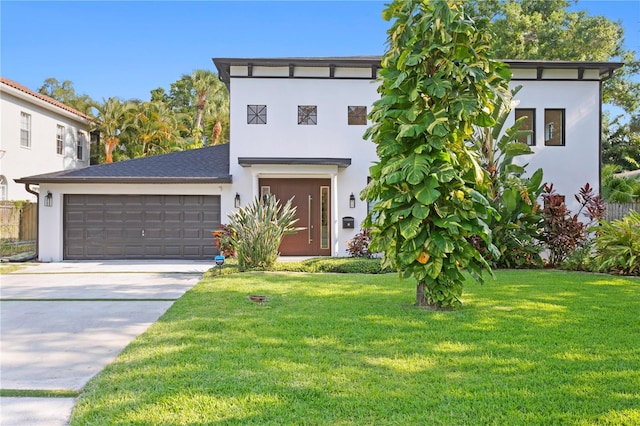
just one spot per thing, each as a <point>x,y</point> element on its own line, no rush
<point>62,323</point>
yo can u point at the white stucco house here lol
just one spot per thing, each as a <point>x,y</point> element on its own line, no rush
<point>38,135</point>
<point>296,127</point>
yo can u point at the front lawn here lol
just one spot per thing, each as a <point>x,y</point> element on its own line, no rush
<point>532,347</point>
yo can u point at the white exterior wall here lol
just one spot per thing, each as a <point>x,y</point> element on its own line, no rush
<point>41,156</point>
<point>332,137</point>
<point>571,166</point>
<point>50,220</point>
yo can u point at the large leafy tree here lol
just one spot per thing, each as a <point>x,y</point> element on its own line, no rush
<point>438,83</point>
<point>65,93</point>
<point>203,103</point>
<point>534,29</point>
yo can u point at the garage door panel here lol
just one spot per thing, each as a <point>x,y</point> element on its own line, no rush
<point>111,226</point>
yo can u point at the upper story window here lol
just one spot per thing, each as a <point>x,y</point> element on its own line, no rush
<point>256,114</point>
<point>308,114</point>
<point>554,127</point>
<point>80,141</point>
<point>357,115</point>
<point>528,124</point>
<point>60,140</point>
<point>25,130</point>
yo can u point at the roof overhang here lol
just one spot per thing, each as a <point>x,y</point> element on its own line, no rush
<point>293,161</point>
<point>36,180</point>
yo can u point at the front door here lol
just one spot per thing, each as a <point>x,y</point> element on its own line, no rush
<point>312,199</point>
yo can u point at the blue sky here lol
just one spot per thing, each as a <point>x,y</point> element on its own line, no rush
<point>126,49</point>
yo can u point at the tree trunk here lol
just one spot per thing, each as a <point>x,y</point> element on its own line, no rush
<point>421,298</point>
<point>109,146</point>
<point>217,130</point>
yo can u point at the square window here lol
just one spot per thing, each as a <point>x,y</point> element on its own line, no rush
<point>357,115</point>
<point>25,130</point>
<point>256,114</point>
<point>554,127</point>
<point>60,140</point>
<point>527,125</point>
<point>307,114</point>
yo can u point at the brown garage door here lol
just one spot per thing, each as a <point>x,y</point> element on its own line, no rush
<point>140,226</point>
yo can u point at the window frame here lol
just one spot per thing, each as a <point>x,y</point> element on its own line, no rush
<point>307,115</point>
<point>562,132</point>
<point>25,130</point>
<point>531,119</point>
<point>80,146</point>
<point>256,114</point>
<point>60,139</point>
<point>355,116</point>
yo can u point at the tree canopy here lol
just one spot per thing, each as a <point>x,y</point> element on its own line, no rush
<point>438,84</point>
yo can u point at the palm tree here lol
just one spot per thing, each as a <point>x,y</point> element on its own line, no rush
<point>113,119</point>
<point>211,100</point>
<point>156,130</point>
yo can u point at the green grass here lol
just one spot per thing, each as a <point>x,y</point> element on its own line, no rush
<point>533,347</point>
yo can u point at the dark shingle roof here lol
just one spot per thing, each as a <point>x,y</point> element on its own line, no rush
<point>203,165</point>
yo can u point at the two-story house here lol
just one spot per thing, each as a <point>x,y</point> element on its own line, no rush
<point>296,130</point>
<point>38,135</point>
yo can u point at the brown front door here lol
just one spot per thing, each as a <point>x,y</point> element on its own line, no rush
<point>312,199</point>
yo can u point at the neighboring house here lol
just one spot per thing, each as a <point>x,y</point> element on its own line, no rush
<point>38,134</point>
<point>296,131</point>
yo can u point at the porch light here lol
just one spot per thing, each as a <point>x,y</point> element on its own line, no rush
<point>236,200</point>
<point>48,199</point>
<point>352,201</point>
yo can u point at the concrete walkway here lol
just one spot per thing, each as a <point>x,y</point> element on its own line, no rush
<point>62,323</point>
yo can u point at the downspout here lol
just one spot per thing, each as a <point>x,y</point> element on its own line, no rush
<point>27,188</point>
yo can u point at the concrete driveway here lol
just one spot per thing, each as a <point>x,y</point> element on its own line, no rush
<point>62,323</point>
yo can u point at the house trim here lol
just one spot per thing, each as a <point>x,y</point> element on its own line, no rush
<point>286,161</point>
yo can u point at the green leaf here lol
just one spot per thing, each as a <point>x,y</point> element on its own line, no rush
<point>415,168</point>
<point>427,191</point>
<point>409,227</point>
<point>420,211</point>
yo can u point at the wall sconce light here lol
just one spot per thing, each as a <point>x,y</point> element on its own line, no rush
<point>48,199</point>
<point>236,200</point>
<point>352,201</point>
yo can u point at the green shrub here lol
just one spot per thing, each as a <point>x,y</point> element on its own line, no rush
<point>341,265</point>
<point>617,245</point>
<point>257,231</point>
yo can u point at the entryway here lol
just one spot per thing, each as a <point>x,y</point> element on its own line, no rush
<point>312,199</point>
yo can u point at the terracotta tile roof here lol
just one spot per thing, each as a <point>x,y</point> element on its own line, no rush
<point>45,98</point>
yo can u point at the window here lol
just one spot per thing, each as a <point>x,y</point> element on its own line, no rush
<point>60,140</point>
<point>80,146</point>
<point>324,217</point>
<point>528,124</point>
<point>256,114</point>
<point>25,130</point>
<point>554,127</point>
<point>307,114</point>
<point>357,115</point>
<point>4,189</point>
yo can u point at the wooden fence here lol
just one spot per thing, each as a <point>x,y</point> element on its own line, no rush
<point>616,211</point>
<point>18,222</point>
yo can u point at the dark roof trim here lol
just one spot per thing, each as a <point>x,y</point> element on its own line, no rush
<point>605,69</point>
<point>289,161</point>
<point>117,180</point>
<point>224,64</point>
